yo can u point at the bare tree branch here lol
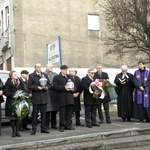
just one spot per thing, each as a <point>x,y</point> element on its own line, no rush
<point>128,22</point>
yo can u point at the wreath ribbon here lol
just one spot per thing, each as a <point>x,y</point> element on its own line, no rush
<point>19,107</point>
<point>102,94</point>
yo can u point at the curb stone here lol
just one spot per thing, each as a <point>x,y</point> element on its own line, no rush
<point>86,138</point>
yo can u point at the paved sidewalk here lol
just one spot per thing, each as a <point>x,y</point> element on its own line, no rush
<point>78,135</point>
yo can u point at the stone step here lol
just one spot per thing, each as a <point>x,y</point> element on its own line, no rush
<point>134,142</point>
<point>104,141</point>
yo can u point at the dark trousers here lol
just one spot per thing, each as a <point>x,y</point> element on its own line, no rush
<point>106,109</point>
<point>77,116</point>
<point>36,109</point>
<point>65,115</point>
<point>15,125</point>
<point>51,117</point>
<point>90,114</point>
<point>24,122</point>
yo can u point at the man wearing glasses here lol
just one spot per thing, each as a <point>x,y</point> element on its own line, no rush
<point>90,102</point>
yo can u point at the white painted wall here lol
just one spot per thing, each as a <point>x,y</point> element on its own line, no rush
<point>112,72</point>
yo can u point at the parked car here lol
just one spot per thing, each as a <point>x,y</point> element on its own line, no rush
<point>4,75</point>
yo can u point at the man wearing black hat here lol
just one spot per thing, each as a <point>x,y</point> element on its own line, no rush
<point>24,80</point>
<point>65,99</point>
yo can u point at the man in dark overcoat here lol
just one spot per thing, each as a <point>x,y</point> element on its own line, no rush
<point>52,106</point>
<point>65,99</point>
<point>91,104</point>
<point>39,98</point>
<point>24,80</point>
<point>103,75</point>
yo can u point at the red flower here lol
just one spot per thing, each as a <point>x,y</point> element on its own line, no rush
<point>102,85</point>
<point>107,84</point>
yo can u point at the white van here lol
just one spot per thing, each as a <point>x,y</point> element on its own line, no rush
<point>4,75</point>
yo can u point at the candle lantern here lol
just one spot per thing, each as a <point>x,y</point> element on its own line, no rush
<point>70,85</point>
<point>43,81</point>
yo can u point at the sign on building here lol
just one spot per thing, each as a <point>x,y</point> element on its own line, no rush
<point>54,52</point>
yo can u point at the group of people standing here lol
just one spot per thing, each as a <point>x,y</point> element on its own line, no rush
<point>133,93</point>
<point>57,98</point>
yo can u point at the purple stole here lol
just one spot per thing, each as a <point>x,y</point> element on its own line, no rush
<point>145,92</point>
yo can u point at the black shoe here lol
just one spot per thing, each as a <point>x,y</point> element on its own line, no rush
<point>33,132</point>
<point>101,122</point>
<point>95,124</point>
<point>44,131</point>
<point>109,122</point>
<point>123,119</point>
<point>27,128</point>
<point>18,134</point>
<point>61,130</point>
<point>79,124</point>
<point>13,134</point>
<point>70,128</point>
<point>141,120</point>
<point>147,120</point>
<point>54,127</point>
<point>21,129</point>
<point>129,119</point>
<point>89,126</point>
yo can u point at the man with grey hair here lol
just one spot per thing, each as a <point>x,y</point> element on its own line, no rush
<point>52,105</point>
<point>39,98</point>
<point>124,90</point>
<point>124,67</point>
<point>90,102</point>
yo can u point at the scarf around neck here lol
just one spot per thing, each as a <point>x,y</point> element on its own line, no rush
<point>140,99</point>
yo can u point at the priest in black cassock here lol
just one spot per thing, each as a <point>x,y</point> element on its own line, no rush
<point>141,109</point>
<point>124,90</point>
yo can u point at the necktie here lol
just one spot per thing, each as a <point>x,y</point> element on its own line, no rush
<point>100,75</point>
<point>73,78</point>
<point>39,74</point>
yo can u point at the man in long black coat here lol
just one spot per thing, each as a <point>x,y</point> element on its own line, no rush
<point>141,107</point>
<point>90,103</point>
<point>124,90</point>
<point>103,75</point>
<point>65,99</point>
<point>39,98</point>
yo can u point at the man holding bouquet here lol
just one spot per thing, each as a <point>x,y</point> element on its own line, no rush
<point>90,102</point>
<point>103,75</point>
